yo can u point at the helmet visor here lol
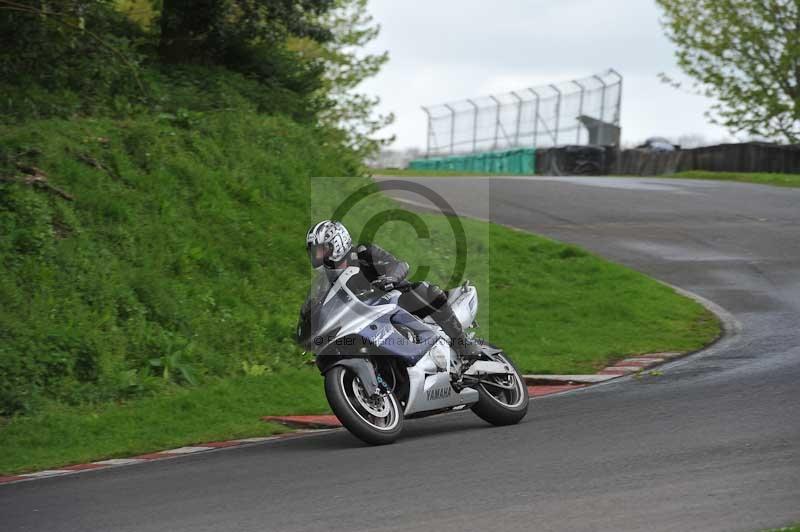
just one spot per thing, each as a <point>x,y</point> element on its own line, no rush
<point>319,253</point>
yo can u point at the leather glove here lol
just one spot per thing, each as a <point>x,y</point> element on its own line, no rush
<point>385,283</point>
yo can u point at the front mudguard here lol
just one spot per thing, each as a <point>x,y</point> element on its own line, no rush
<point>362,368</point>
<point>490,350</point>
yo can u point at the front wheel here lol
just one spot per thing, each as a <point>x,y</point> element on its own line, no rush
<point>503,398</point>
<point>376,420</point>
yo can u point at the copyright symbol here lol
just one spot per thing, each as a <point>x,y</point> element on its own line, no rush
<point>318,340</point>
<point>414,220</point>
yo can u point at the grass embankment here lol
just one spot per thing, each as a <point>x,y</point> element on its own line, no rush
<point>778,180</point>
<point>220,410</point>
<point>157,309</point>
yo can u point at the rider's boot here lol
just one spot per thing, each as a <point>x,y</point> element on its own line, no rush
<point>466,349</point>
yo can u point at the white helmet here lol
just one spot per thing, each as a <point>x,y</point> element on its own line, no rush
<point>328,242</point>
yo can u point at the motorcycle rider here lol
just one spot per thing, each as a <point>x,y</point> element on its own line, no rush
<point>330,246</point>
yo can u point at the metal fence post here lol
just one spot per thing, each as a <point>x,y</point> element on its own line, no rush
<point>535,118</point>
<point>519,118</point>
<point>496,122</point>
<point>474,126</point>
<point>558,114</point>
<point>452,128</point>
<point>602,98</point>
<point>580,112</point>
<point>617,117</point>
<point>428,140</point>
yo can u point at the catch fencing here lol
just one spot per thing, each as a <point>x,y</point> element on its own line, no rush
<point>578,112</point>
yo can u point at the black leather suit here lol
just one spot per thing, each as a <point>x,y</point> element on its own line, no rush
<point>422,299</point>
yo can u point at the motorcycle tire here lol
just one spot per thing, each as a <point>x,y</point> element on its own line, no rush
<point>358,412</point>
<point>498,407</point>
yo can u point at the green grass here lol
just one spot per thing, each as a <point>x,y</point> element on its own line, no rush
<point>185,252</point>
<point>779,180</point>
<point>218,411</point>
<point>181,250</point>
<point>560,310</point>
<point>790,528</point>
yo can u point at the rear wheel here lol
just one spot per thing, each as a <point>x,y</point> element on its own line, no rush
<point>376,420</point>
<point>503,398</point>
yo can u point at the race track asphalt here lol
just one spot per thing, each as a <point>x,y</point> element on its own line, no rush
<point>712,444</point>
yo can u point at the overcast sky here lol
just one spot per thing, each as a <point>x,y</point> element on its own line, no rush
<point>444,50</point>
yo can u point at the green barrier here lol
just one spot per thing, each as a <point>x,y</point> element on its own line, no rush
<point>528,161</point>
<point>471,164</point>
<point>503,163</point>
<point>498,160</point>
<point>521,161</point>
<point>515,162</point>
<point>479,164</point>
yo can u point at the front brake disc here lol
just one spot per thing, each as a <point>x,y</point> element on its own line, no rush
<point>378,407</point>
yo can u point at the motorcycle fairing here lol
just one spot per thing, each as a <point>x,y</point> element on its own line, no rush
<point>383,334</point>
<point>335,317</point>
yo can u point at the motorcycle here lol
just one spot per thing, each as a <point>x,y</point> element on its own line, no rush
<point>382,364</point>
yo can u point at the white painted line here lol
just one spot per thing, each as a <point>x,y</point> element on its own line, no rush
<point>46,473</point>
<point>646,360</point>
<point>120,461</point>
<point>187,450</point>
<point>624,368</point>
<point>257,440</point>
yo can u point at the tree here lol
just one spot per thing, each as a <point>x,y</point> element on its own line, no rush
<point>57,57</point>
<point>346,67</point>
<point>300,58</point>
<point>250,37</point>
<point>746,55</point>
<point>207,31</point>
<point>186,27</point>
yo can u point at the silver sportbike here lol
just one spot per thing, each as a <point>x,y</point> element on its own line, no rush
<point>382,364</point>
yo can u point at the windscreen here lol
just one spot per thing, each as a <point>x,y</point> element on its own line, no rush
<point>318,290</point>
<point>324,314</point>
<point>308,325</point>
